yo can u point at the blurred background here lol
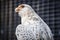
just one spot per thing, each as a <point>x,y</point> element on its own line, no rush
<point>48,10</point>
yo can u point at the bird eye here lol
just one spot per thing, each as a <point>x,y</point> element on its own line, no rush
<point>22,6</point>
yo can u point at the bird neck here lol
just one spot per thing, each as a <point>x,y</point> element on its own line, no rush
<point>27,17</point>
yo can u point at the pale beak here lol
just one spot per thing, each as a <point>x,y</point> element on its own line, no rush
<point>17,10</point>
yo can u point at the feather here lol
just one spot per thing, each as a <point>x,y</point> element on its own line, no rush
<point>32,27</point>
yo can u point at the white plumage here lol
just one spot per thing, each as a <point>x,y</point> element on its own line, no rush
<point>32,27</point>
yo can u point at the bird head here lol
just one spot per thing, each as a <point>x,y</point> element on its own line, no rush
<point>23,8</point>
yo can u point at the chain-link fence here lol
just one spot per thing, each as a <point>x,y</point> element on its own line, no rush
<point>48,10</point>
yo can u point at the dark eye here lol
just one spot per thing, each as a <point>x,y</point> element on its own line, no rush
<point>22,6</point>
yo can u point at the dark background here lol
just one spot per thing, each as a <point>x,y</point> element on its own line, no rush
<point>48,10</point>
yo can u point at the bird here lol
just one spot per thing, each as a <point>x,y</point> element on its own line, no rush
<point>32,26</point>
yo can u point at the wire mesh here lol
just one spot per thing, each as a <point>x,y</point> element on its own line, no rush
<point>48,10</point>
